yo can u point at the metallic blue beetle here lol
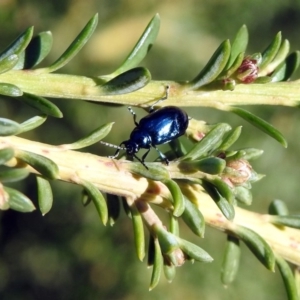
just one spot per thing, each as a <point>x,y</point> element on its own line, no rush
<point>159,127</point>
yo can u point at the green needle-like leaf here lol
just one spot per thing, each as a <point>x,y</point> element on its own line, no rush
<point>231,260</point>
<point>142,47</point>
<point>193,218</point>
<point>75,46</point>
<point>292,64</point>
<point>278,60</point>
<point>234,155</point>
<point>174,224</point>
<point>42,104</point>
<point>209,165</point>
<point>45,196</point>
<point>194,251</point>
<point>288,278</point>
<point>6,154</point>
<point>280,73</point>
<point>282,53</point>
<point>9,127</point>
<point>261,124</point>
<point>178,200</point>
<point>243,195</point>
<point>33,123</point>
<point>210,142</point>
<point>287,69</point>
<point>19,45</point>
<point>230,139</point>
<point>21,61</point>
<point>40,163</point>
<point>18,201</point>
<point>154,171</point>
<point>38,48</point>
<point>170,247</point>
<point>170,272</point>
<point>98,200</point>
<point>270,52</point>
<point>239,44</point>
<point>167,240</point>
<point>225,207</point>
<point>92,138</point>
<point>157,265</point>
<point>252,153</point>
<point>263,80</point>
<point>8,62</point>
<point>278,207</point>
<point>223,188</point>
<point>235,65</point>
<point>213,68</point>
<point>245,154</point>
<point>177,148</point>
<point>257,245</point>
<point>12,175</point>
<point>290,221</point>
<point>85,198</point>
<point>138,229</point>
<point>11,90</point>
<point>127,82</point>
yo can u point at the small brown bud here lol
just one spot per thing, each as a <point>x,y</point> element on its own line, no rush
<point>248,71</point>
<point>242,172</point>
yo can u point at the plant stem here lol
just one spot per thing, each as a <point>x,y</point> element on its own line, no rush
<point>88,88</point>
<point>111,176</point>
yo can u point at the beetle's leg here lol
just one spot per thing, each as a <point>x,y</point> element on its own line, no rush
<point>165,97</point>
<point>134,116</point>
<point>116,154</point>
<point>142,160</point>
<point>145,155</point>
<point>162,156</point>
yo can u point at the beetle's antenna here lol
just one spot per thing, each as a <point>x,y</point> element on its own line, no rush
<point>165,97</point>
<point>122,148</point>
<point>113,146</point>
<point>134,116</point>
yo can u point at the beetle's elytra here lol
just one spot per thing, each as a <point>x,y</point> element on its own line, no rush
<point>159,127</point>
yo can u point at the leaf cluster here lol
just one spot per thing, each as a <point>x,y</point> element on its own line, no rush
<point>209,165</point>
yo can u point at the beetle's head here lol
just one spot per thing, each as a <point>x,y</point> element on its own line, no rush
<point>131,147</point>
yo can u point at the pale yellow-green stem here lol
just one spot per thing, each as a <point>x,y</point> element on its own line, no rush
<point>85,88</point>
<point>111,176</point>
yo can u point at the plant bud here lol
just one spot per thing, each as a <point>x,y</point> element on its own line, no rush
<point>248,71</point>
<point>241,172</point>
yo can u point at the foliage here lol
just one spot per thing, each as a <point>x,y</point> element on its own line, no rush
<point>206,175</point>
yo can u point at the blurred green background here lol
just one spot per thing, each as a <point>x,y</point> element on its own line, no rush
<point>68,254</point>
